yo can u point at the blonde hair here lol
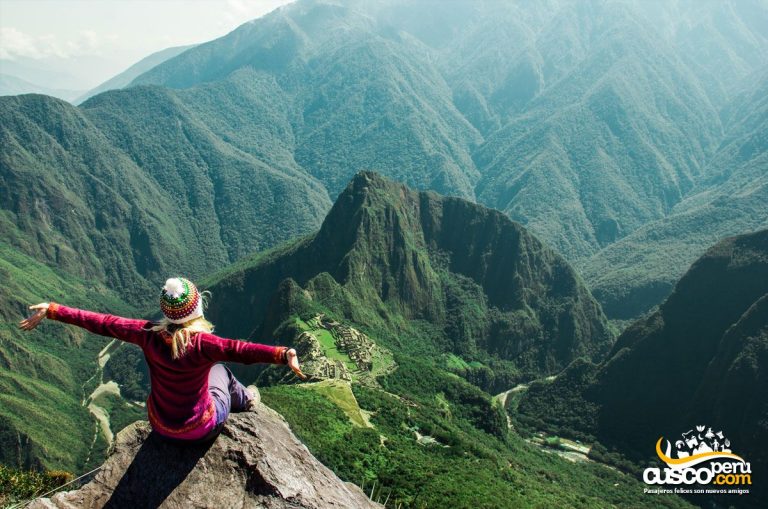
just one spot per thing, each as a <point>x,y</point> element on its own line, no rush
<point>181,333</point>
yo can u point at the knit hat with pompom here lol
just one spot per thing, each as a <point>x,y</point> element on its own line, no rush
<point>180,301</point>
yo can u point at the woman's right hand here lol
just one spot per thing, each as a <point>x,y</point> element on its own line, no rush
<point>293,363</point>
<point>33,321</point>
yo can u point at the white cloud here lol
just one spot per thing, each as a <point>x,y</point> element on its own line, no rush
<point>16,44</point>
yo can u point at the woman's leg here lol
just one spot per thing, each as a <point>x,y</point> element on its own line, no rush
<point>227,392</point>
<point>218,387</point>
<point>239,394</point>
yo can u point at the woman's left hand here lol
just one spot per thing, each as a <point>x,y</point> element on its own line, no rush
<point>293,363</point>
<point>34,320</point>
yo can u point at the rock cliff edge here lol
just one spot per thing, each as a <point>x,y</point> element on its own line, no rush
<point>256,461</point>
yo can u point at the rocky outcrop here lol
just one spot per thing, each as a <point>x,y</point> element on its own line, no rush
<point>256,462</point>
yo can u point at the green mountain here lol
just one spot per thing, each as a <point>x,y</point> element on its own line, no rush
<point>358,95</point>
<point>632,275</point>
<point>451,276</point>
<point>89,191</point>
<point>88,219</point>
<point>700,358</point>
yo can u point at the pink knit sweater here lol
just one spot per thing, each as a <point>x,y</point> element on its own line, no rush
<point>179,404</point>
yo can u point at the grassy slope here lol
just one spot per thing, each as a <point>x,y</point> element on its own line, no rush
<point>476,469</point>
<point>44,374</point>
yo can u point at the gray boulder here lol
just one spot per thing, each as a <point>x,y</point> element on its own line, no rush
<point>256,461</point>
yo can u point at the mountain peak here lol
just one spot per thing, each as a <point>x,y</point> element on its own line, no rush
<point>256,461</point>
<point>365,179</point>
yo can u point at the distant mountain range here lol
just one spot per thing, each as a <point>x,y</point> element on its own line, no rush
<point>12,85</point>
<point>585,122</point>
<point>600,126</point>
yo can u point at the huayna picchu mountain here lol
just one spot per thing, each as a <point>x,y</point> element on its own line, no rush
<point>702,357</point>
<point>430,274</point>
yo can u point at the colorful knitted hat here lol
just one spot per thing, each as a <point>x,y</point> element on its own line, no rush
<point>180,301</point>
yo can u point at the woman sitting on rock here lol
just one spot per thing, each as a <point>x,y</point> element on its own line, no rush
<point>191,395</point>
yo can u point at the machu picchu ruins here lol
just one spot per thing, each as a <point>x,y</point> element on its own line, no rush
<point>332,350</point>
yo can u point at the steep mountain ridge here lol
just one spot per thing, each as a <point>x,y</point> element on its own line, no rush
<point>112,211</point>
<point>234,200</point>
<point>616,141</point>
<point>707,346</point>
<point>367,98</point>
<point>585,122</point>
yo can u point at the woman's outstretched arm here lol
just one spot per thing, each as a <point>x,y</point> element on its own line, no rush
<point>220,349</point>
<point>125,329</point>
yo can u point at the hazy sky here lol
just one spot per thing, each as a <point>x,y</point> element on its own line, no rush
<point>113,34</point>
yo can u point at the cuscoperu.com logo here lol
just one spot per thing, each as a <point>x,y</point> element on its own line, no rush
<point>700,457</point>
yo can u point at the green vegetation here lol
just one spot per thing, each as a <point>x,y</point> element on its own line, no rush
<point>45,374</point>
<point>21,485</point>
<point>505,471</point>
<point>414,280</point>
<point>340,393</point>
<point>454,362</point>
<point>427,416</point>
<point>639,271</point>
<point>583,135</point>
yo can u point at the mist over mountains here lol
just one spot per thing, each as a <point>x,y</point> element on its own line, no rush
<point>583,121</point>
<point>593,124</point>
